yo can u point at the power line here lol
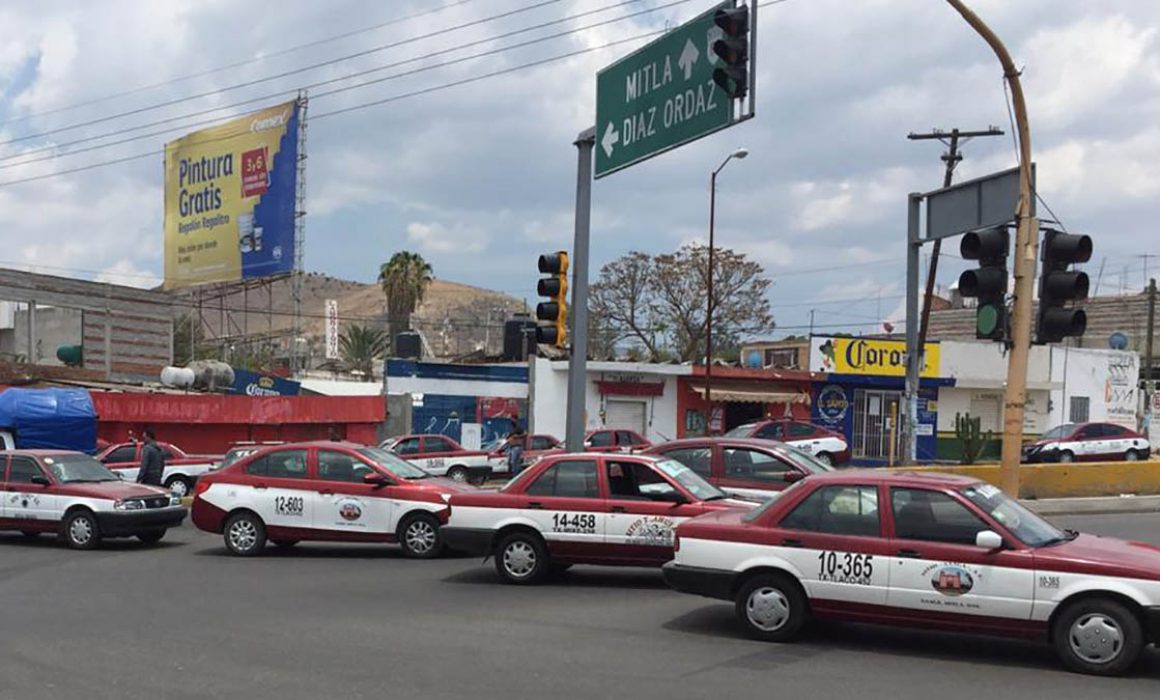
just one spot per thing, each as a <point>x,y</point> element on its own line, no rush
<point>55,148</point>
<point>238,64</point>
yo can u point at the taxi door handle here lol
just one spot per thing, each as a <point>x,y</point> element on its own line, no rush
<point>326,492</point>
<point>618,509</point>
<point>789,542</point>
<point>259,486</point>
<point>536,505</point>
<point>910,553</point>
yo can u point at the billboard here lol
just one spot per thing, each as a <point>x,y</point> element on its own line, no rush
<point>870,356</point>
<point>230,194</point>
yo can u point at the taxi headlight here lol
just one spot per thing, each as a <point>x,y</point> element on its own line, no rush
<point>174,499</point>
<point>129,504</point>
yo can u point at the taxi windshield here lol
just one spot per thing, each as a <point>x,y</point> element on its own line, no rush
<point>77,469</point>
<point>805,460</point>
<point>392,463</point>
<point>701,489</point>
<point>742,430</point>
<point>770,501</point>
<point>1031,529</point>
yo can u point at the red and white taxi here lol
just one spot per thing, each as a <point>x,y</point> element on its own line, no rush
<point>583,508</point>
<point>824,444</point>
<point>1088,442</point>
<point>181,470</point>
<point>742,466</point>
<point>926,550</point>
<point>439,455</point>
<point>75,497</point>
<point>327,491</point>
<point>534,447</point>
<point>615,440</point>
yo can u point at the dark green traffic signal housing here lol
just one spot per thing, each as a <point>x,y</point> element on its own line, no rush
<point>987,283</point>
<point>1059,285</point>
<point>553,314</point>
<point>732,75</point>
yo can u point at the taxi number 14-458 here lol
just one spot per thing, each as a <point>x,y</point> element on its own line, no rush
<point>844,567</point>
<point>288,505</point>
<point>578,522</point>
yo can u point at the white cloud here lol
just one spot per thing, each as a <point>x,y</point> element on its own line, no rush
<point>437,238</point>
<point>126,273</point>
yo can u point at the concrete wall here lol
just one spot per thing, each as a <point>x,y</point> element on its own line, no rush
<point>1108,378</point>
<point>55,326</point>
<point>1069,480</point>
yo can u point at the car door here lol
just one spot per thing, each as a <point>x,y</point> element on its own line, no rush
<point>568,507</point>
<point>343,501</point>
<point>435,453</point>
<point>279,489</point>
<point>937,570</point>
<point>645,506</point>
<point>770,431</point>
<point>834,539</point>
<point>25,500</point>
<point>803,436</point>
<point>1085,443</point>
<point>1113,442</point>
<point>124,461</point>
<point>601,441</point>
<point>749,471</point>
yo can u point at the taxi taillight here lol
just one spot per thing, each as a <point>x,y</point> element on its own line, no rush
<point>202,487</point>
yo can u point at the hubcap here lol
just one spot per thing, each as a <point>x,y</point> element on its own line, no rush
<point>823,458</point>
<point>519,559</point>
<point>178,488</point>
<point>458,475</point>
<point>1096,638</point>
<point>81,531</point>
<point>767,608</point>
<point>420,537</point>
<point>1065,457</point>
<point>243,535</point>
<point>1131,456</point>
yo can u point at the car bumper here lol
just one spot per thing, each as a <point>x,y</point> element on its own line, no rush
<point>711,583</point>
<point>1152,624</point>
<point>121,524</point>
<point>468,540</point>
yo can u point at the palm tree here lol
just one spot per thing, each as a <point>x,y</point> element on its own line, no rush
<point>361,347</point>
<point>404,280</point>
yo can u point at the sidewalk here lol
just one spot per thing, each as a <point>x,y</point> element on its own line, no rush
<point>1094,506</point>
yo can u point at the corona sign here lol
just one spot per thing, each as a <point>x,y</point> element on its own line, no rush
<point>230,196</point>
<point>868,356</point>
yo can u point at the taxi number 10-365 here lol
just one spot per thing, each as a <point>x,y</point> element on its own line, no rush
<point>288,505</point>
<point>844,567</point>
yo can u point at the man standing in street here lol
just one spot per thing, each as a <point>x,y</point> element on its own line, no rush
<point>152,460</point>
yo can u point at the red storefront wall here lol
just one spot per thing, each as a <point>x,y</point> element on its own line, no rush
<point>779,381</point>
<point>209,424</point>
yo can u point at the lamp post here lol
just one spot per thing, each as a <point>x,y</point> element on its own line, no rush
<point>738,154</point>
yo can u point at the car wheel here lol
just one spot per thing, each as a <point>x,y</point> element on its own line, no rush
<point>419,536</point>
<point>81,530</point>
<point>151,537</point>
<point>457,474</point>
<point>284,544</point>
<point>179,486</point>
<point>772,608</point>
<point>1098,636</point>
<point>825,458</point>
<point>245,534</point>
<point>1131,456</point>
<point>1066,457</point>
<point>521,558</point>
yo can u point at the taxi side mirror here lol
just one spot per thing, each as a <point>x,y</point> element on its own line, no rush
<point>375,479</point>
<point>989,540</point>
<point>40,480</point>
<point>792,476</point>
<point>675,497</point>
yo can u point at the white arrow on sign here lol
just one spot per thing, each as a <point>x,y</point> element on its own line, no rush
<point>611,138</point>
<point>688,57</point>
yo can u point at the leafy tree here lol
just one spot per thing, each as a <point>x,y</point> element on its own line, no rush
<point>361,347</point>
<point>658,303</point>
<point>404,279</point>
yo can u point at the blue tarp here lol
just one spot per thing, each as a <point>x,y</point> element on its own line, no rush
<point>59,419</point>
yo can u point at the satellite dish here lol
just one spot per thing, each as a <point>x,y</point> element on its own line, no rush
<point>1118,341</point>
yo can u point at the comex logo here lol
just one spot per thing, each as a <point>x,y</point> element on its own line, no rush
<point>270,122</point>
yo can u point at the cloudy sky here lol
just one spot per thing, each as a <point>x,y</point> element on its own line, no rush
<point>480,178</point>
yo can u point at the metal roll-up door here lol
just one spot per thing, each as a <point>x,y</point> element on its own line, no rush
<point>629,415</point>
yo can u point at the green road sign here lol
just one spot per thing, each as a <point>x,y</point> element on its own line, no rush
<point>661,96</point>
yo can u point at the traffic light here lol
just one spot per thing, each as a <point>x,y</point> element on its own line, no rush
<point>553,315</point>
<point>988,282</point>
<point>733,50</point>
<point>1058,285</point>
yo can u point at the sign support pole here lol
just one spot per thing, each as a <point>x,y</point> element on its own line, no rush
<point>577,365</point>
<point>913,351</point>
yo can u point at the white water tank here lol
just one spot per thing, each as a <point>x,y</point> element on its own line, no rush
<point>211,375</point>
<point>178,377</point>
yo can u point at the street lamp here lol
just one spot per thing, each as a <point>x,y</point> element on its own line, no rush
<point>738,154</point>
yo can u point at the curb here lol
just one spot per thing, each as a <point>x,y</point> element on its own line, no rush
<point>1101,505</point>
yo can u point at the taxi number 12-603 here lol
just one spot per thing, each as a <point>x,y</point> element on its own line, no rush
<point>288,505</point>
<point>577,522</point>
<point>844,567</point>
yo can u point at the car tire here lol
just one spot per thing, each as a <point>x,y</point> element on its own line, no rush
<point>81,530</point>
<point>284,544</point>
<point>1065,457</point>
<point>1097,636</point>
<point>772,608</point>
<point>1131,456</point>
<point>457,474</point>
<point>522,558</point>
<point>179,485</point>
<point>825,458</point>
<point>418,535</point>
<point>151,537</point>
<point>245,534</point>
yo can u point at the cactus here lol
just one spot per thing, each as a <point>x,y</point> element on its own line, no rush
<point>972,439</point>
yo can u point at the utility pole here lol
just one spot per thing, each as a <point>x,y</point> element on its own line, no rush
<point>1026,254</point>
<point>1149,385</point>
<point>578,364</point>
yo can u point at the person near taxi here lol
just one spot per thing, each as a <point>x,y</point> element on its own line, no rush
<point>515,455</point>
<point>152,460</point>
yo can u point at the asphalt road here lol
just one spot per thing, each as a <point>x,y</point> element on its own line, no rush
<point>184,620</point>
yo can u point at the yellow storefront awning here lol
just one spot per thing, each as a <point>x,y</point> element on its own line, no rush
<point>732,392</point>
